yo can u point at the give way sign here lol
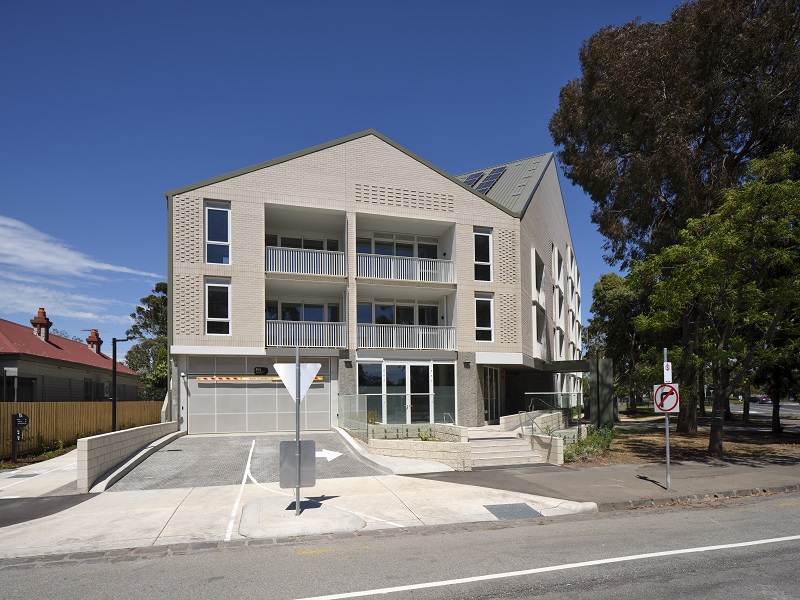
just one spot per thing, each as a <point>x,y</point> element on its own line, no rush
<point>665,398</point>
<point>288,374</point>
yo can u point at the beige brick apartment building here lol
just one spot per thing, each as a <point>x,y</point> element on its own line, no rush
<point>437,298</point>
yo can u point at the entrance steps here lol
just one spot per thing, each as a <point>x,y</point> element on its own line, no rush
<point>490,446</point>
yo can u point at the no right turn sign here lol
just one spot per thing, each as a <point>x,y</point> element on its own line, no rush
<point>665,398</point>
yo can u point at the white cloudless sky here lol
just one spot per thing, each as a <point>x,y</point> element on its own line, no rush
<point>107,105</point>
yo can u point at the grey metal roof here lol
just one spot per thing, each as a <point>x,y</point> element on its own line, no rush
<point>515,188</point>
<point>511,194</point>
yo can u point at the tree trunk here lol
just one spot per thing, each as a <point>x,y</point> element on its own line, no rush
<point>717,412</point>
<point>776,416</point>
<point>631,395</point>
<point>687,417</point>
<point>702,394</point>
<point>746,407</point>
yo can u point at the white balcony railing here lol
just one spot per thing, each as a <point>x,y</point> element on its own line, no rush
<point>309,334</point>
<point>307,262</point>
<point>405,268</point>
<point>407,337</point>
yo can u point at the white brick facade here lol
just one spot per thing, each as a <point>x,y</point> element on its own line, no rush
<point>359,187</point>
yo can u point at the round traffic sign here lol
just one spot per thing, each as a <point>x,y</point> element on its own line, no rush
<point>666,398</point>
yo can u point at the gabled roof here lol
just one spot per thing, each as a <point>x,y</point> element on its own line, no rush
<point>344,140</point>
<point>20,339</point>
<point>515,188</point>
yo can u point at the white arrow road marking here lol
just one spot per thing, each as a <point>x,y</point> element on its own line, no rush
<point>328,454</point>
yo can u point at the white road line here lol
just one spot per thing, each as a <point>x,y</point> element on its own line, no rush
<point>235,508</point>
<point>588,563</point>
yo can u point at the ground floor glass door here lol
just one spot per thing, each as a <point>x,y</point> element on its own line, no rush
<point>403,393</point>
<point>491,392</point>
<point>420,399</point>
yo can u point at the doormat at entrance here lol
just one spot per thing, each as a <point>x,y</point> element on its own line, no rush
<point>506,512</point>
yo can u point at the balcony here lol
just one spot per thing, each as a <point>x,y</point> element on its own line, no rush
<point>403,268</point>
<point>309,334</point>
<point>407,337</point>
<point>305,262</point>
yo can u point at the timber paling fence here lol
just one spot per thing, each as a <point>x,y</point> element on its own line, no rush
<point>52,422</point>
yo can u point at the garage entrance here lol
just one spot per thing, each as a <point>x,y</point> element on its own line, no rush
<point>224,397</point>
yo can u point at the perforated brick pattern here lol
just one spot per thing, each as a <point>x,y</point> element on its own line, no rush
<point>405,198</point>
<point>187,230</point>
<point>507,256</point>
<point>189,290</point>
<point>507,315</point>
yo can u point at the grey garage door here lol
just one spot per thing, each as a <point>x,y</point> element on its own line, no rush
<point>230,402</point>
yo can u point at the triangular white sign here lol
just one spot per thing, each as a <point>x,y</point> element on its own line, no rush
<point>288,374</point>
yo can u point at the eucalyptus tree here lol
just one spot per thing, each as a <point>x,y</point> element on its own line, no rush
<point>738,270</point>
<point>667,115</point>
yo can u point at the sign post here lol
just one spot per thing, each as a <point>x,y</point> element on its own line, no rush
<point>297,381</point>
<point>666,400</point>
<point>19,422</point>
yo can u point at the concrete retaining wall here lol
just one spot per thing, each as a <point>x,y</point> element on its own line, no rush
<point>550,448</point>
<point>101,453</point>
<point>546,420</point>
<point>454,454</point>
<point>450,433</point>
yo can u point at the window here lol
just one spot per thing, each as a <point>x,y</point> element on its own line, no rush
<point>541,322</point>
<point>299,311</point>
<point>291,311</point>
<point>364,313</point>
<point>483,318</point>
<point>88,389</point>
<point>364,245</point>
<point>300,242</point>
<point>218,308</point>
<point>389,244</point>
<point>483,255</point>
<point>218,233</point>
<point>538,277</point>
<point>397,314</point>
<point>428,315</point>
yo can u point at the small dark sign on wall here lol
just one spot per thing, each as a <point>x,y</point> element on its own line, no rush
<point>261,370</point>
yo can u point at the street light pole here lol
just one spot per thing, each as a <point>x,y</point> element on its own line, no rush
<point>114,379</point>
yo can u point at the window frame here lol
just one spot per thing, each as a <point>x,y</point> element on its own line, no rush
<point>222,207</point>
<point>490,328</point>
<point>208,319</point>
<point>488,234</point>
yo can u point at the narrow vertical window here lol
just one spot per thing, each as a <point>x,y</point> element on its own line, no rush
<point>218,308</point>
<point>484,319</point>
<point>483,255</point>
<point>218,234</point>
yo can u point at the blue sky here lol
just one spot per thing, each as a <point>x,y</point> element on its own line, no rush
<point>106,105</point>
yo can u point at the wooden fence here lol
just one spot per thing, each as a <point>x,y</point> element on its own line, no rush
<point>54,422</point>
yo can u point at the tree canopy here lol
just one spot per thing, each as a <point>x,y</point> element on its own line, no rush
<point>737,271</point>
<point>664,116</point>
<point>149,356</point>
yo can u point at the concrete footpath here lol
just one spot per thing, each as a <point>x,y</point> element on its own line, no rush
<point>136,519</point>
<point>114,520</point>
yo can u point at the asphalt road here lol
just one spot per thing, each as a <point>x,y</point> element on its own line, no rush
<point>738,548</point>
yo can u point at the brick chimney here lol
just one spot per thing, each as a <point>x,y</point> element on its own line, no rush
<point>41,325</point>
<point>94,341</point>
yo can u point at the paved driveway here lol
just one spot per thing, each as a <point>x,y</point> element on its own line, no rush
<point>213,460</point>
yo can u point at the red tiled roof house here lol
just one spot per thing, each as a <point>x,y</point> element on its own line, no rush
<point>39,367</point>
